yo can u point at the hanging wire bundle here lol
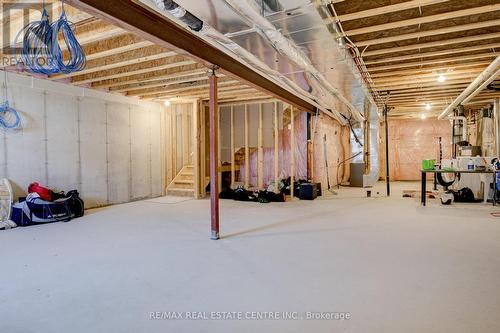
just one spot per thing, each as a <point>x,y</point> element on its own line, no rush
<point>76,60</point>
<point>41,52</point>
<point>36,49</point>
<point>9,117</point>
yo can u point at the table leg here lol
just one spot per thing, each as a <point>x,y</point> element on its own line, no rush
<point>435,182</point>
<point>424,190</point>
<point>494,188</point>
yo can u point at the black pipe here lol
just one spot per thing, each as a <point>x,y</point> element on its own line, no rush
<point>387,180</point>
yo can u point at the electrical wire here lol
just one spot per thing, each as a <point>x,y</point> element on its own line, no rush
<point>36,50</point>
<point>9,117</point>
<point>41,52</point>
<point>76,60</point>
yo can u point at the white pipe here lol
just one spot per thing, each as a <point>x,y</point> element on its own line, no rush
<point>247,10</point>
<point>465,136</point>
<point>485,75</point>
<point>481,87</point>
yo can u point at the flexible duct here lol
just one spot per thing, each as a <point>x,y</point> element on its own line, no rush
<point>485,75</point>
<point>247,10</point>
<point>213,35</point>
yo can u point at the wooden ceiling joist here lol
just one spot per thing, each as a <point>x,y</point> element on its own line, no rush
<point>426,70</point>
<point>388,9</point>
<point>97,67</point>
<point>439,43</point>
<point>125,72</point>
<point>493,47</point>
<point>434,62</point>
<point>429,77</point>
<point>170,73</point>
<point>424,19</point>
<point>191,88</point>
<point>426,33</point>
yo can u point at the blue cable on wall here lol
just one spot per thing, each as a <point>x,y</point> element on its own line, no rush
<point>9,117</point>
<point>41,52</point>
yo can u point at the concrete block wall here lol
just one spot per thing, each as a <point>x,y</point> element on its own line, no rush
<point>105,145</point>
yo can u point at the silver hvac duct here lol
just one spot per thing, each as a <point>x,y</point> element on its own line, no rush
<point>491,70</point>
<point>248,10</point>
<point>205,30</point>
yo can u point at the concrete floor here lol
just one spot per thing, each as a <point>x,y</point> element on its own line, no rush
<point>394,266</point>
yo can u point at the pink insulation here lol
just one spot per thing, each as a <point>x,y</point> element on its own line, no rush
<point>300,149</point>
<point>411,141</point>
<point>337,150</point>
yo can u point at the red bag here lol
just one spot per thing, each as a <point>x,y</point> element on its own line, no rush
<point>44,193</point>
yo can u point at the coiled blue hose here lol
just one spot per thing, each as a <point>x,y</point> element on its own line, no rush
<point>36,50</point>
<point>9,118</point>
<point>41,52</point>
<point>76,61</point>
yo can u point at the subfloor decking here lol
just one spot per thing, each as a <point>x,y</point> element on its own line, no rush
<point>394,266</point>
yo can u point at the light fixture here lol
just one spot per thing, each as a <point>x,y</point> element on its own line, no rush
<point>441,78</point>
<point>167,103</point>
<point>427,106</point>
<point>423,116</point>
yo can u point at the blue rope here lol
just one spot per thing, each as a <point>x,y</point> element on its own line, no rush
<point>9,118</point>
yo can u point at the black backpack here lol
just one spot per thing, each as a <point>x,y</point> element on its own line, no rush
<point>464,195</point>
<point>75,203</point>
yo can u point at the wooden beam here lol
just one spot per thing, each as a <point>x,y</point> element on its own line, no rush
<point>438,43</point>
<point>185,135</point>
<point>418,84</point>
<point>158,83</point>
<point>435,54</point>
<point>109,76</point>
<point>226,88</point>
<point>214,174</point>
<point>247,150</point>
<point>171,73</point>
<point>276,148</point>
<point>434,32</point>
<point>139,18</point>
<point>92,68</point>
<point>193,85</point>
<point>191,90</point>
<point>292,152</point>
<point>445,85</point>
<point>196,150</point>
<point>424,19</point>
<point>112,46</point>
<point>233,149</point>
<point>427,77</point>
<point>433,62</point>
<point>425,70</point>
<point>260,149</point>
<point>387,9</point>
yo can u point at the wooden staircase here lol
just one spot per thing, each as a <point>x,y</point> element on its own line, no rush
<point>183,183</point>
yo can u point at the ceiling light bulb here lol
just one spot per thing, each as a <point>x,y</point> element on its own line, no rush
<point>427,106</point>
<point>167,103</point>
<point>441,78</point>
